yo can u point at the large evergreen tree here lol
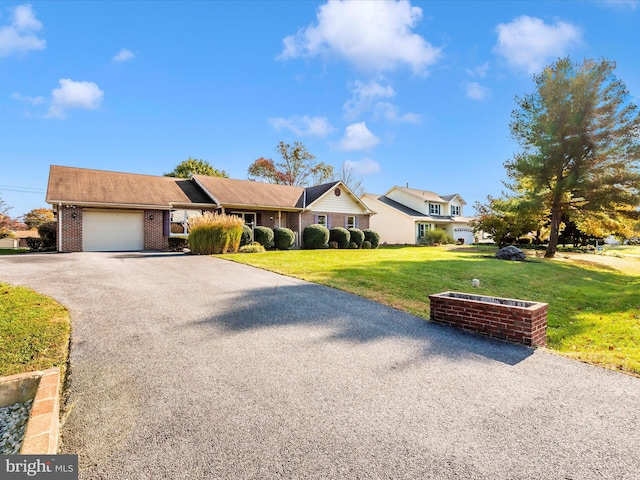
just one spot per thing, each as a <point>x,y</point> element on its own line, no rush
<point>580,139</point>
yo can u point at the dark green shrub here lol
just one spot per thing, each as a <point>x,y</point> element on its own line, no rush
<point>245,238</point>
<point>524,241</point>
<point>353,245</point>
<point>333,244</point>
<point>372,237</point>
<point>253,247</point>
<point>48,232</point>
<point>315,236</point>
<point>283,238</point>
<point>340,235</point>
<point>177,244</point>
<point>357,236</point>
<point>34,243</point>
<point>437,236</point>
<point>264,236</point>
<point>366,245</point>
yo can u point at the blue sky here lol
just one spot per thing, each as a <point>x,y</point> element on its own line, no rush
<point>416,92</point>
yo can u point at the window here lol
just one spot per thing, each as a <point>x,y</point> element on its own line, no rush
<point>351,221</point>
<point>322,220</point>
<point>180,221</point>
<point>248,217</point>
<point>434,209</point>
<point>423,228</point>
<point>455,210</point>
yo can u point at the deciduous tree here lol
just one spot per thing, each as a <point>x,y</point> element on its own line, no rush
<point>7,224</point>
<point>580,139</point>
<point>298,167</point>
<point>37,217</point>
<point>505,219</point>
<point>350,179</point>
<point>195,166</point>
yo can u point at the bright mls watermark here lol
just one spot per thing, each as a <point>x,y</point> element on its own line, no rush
<point>49,467</point>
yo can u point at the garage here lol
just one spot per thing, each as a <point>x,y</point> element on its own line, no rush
<point>109,231</point>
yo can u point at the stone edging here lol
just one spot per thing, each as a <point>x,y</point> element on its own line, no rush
<point>41,436</point>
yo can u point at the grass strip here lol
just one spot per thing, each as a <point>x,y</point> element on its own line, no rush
<point>34,331</point>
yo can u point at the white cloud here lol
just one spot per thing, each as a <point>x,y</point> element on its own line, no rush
<point>25,98</point>
<point>358,137</point>
<point>124,55</point>
<point>74,95</point>
<point>304,126</point>
<point>475,91</point>
<point>372,35</point>
<point>528,43</point>
<point>20,36</point>
<point>632,4</point>
<point>363,96</point>
<point>366,166</point>
<point>391,113</point>
<point>480,71</point>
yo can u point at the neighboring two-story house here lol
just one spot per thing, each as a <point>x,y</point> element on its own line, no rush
<point>403,215</point>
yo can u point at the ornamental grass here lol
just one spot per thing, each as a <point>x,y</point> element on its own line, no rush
<point>213,233</point>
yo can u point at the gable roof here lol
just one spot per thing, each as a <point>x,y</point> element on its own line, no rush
<point>81,186</point>
<point>426,195</point>
<point>247,193</point>
<point>409,212</point>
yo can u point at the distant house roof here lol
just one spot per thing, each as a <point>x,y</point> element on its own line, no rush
<point>81,186</point>
<point>427,195</point>
<point>245,193</point>
<point>26,234</point>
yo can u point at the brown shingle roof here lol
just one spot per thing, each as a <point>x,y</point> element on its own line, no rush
<point>227,192</point>
<point>100,187</point>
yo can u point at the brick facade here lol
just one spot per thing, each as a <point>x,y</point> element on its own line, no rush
<point>335,219</point>
<point>69,237</point>
<point>154,238</point>
<point>513,320</point>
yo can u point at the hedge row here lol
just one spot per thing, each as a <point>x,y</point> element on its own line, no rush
<point>318,236</point>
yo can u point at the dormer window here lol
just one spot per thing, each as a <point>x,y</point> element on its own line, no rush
<point>455,210</point>
<point>434,209</point>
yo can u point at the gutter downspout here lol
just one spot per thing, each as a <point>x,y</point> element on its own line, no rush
<point>59,227</point>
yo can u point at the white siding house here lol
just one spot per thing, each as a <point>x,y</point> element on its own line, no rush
<point>405,214</point>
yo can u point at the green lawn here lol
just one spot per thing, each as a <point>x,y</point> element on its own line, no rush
<point>34,331</point>
<point>13,251</point>
<point>594,301</point>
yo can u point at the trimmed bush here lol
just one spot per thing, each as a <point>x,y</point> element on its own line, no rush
<point>48,233</point>
<point>213,233</point>
<point>283,238</point>
<point>340,235</point>
<point>372,237</point>
<point>245,238</point>
<point>253,247</point>
<point>333,245</point>
<point>366,245</point>
<point>353,245</point>
<point>264,236</point>
<point>315,236</point>
<point>357,236</point>
<point>177,244</point>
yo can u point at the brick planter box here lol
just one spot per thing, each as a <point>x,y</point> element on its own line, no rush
<point>517,321</point>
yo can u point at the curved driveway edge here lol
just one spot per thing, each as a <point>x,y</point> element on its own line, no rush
<point>199,368</point>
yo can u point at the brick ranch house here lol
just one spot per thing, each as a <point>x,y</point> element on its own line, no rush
<point>100,210</point>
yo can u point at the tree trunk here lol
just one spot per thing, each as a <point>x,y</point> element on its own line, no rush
<point>556,216</point>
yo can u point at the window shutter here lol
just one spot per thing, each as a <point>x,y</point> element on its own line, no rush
<point>166,223</point>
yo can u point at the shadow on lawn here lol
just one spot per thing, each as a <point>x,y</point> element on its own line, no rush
<point>349,318</point>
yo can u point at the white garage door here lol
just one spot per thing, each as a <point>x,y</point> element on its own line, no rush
<point>112,231</point>
<point>465,232</point>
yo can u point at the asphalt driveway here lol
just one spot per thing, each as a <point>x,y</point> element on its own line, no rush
<point>186,367</point>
